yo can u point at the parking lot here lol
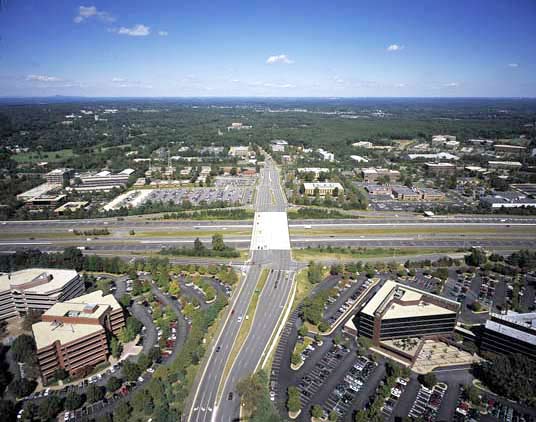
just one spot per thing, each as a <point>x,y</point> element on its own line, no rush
<point>341,398</point>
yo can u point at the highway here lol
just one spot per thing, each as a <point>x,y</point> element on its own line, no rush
<point>209,401</point>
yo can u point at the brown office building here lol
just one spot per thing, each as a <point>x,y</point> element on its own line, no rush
<point>73,335</point>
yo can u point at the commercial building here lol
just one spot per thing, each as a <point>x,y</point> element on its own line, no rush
<point>510,333</point>
<point>428,194</point>
<point>59,176</point>
<point>73,335</point>
<point>359,159</point>
<point>278,145</point>
<point>72,206</point>
<point>510,149</point>
<point>326,155</point>
<point>397,311</point>
<point>442,139</point>
<point>37,191</point>
<point>45,201</point>
<point>375,190</point>
<point>437,156</point>
<point>371,174</point>
<point>403,193</point>
<point>104,180</point>
<point>363,144</point>
<point>508,199</point>
<point>238,126</point>
<point>36,289</point>
<point>440,169</point>
<point>504,164</point>
<point>239,151</point>
<point>325,188</point>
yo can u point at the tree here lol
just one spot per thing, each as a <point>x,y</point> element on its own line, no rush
<point>73,401</point>
<point>122,412</point>
<point>144,361</point>
<point>23,349</point>
<point>174,288</point>
<point>428,380</point>
<point>113,384</point>
<point>333,416</point>
<point>7,410</point>
<point>94,393</point>
<point>61,374</point>
<point>125,300</point>
<point>115,347</point>
<point>295,359</point>
<point>131,371</point>
<point>293,402</point>
<point>251,389</point>
<point>302,331</point>
<point>50,407</point>
<point>217,242</point>
<point>198,246</point>
<point>317,411</point>
<point>22,387</point>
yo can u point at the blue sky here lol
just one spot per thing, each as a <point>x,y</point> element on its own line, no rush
<point>268,48</point>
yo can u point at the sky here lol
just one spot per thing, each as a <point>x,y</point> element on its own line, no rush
<point>291,48</point>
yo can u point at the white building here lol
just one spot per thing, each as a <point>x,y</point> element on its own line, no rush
<point>363,144</point>
<point>326,155</point>
<point>103,180</point>
<point>359,159</point>
<point>438,156</point>
<point>239,151</point>
<point>37,289</point>
<point>324,188</point>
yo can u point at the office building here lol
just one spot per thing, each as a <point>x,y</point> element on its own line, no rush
<point>59,176</point>
<point>429,194</point>
<point>397,311</point>
<point>440,169</point>
<point>322,188</point>
<point>376,190</point>
<point>36,289</point>
<point>508,199</point>
<point>510,333</point>
<point>511,165</point>
<point>510,149</point>
<point>403,193</point>
<point>104,180</point>
<point>372,175</point>
<point>326,155</point>
<point>73,335</point>
<point>239,151</point>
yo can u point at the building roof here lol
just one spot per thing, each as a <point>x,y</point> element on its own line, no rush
<point>80,304</point>
<point>46,333</point>
<point>38,280</point>
<point>322,185</point>
<point>391,289</point>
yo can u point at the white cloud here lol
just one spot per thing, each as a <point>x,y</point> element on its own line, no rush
<point>125,83</point>
<point>401,85</point>
<point>395,47</point>
<point>452,85</point>
<point>163,33</point>
<point>86,12</point>
<point>282,58</point>
<point>138,30</point>
<point>43,78</point>
<point>272,85</point>
<point>118,80</point>
<point>513,64</point>
<point>235,81</point>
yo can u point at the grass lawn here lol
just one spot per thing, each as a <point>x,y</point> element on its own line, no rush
<point>410,230</point>
<point>50,156</point>
<point>352,254</point>
<point>192,233</point>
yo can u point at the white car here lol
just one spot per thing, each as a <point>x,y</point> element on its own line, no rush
<point>150,370</point>
<point>140,379</point>
<point>239,319</point>
<point>272,395</point>
<point>47,392</point>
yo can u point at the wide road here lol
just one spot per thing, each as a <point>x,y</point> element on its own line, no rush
<point>209,401</point>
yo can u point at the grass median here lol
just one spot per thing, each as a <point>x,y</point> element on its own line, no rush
<point>351,254</point>
<point>245,327</point>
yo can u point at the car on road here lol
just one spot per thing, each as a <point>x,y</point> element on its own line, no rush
<point>240,318</point>
<point>218,348</point>
<point>230,396</point>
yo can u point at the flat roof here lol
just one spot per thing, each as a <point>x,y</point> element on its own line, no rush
<point>46,333</point>
<point>523,320</point>
<point>320,185</point>
<point>387,292</point>
<point>80,303</point>
<point>17,279</point>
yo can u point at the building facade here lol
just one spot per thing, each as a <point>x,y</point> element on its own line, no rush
<point>322,188</point>
<point>397,311</point>
<point>36,289</point>
<point>74,335</point>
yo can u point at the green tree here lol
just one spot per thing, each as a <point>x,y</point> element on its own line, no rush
<point>23,349</point>
<point>125,300</point>
<point>122,412</point>
<point>251,390</point>
<point>217,242</point>
<point>317,411</point>
<point>113,383</point>
<point>293,402</point>
<point>115,347</point>
<point>428,380</point>
<point>50,407</point>
<point>131,371</point>
<point>94,393</point>
<point>73,401</point>
<point>144,361</point>
<point>22,387</point>
<point>296,359</point>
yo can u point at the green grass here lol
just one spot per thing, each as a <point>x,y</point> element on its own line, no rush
<point>50,156</point>
<point>412,230</point>
<point>350,254</point>
<point>191,233</point>
<point>245,327</point>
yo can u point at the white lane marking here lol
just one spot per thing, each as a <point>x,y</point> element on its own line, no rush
<point>24,243</point>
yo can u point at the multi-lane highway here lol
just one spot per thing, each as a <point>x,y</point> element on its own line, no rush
<point>222,370</point>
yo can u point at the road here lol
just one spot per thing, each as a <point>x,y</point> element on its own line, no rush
<point>206,404</point>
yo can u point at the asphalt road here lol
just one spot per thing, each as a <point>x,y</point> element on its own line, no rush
<point>205,403</point>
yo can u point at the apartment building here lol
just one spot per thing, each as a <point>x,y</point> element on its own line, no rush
<point>397,311</point>
<point>73,335</point>
<point>36,289</point>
